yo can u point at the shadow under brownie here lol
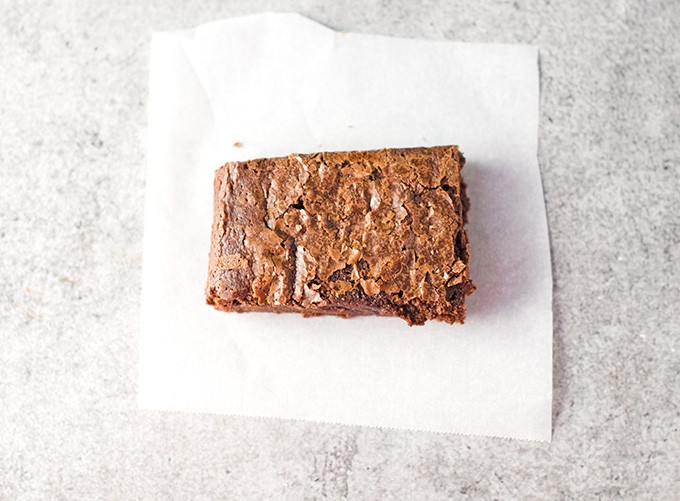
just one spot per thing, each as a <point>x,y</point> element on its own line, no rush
<point>376,232</point>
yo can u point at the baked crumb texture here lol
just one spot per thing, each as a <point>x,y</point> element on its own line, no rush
<point>345,233</point>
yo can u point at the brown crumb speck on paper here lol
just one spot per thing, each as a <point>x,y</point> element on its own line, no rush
<point>238,144</point>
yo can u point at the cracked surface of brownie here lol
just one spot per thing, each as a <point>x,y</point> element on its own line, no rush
<point>347,233</point>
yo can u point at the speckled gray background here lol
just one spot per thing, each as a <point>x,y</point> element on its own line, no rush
<point>73,96</point>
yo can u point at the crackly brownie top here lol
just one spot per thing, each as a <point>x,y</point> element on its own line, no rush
<point>292,230</point>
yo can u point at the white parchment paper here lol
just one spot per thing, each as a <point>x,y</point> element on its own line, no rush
<point>280,83</point>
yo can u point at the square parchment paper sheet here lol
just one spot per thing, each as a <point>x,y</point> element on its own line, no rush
<point>280,83</point>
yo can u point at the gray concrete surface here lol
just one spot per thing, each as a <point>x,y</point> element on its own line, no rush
<point>73,95</point>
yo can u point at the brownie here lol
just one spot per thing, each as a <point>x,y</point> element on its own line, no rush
<point>345,233</point>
